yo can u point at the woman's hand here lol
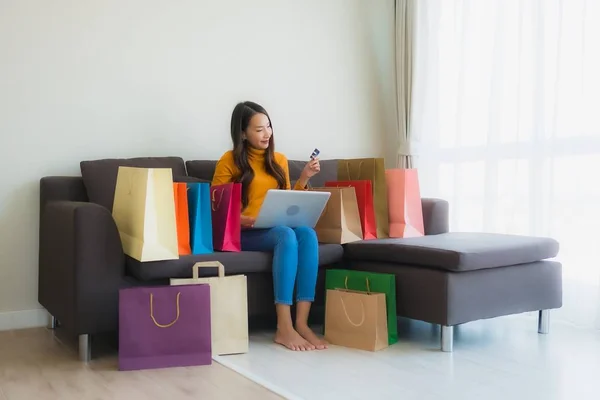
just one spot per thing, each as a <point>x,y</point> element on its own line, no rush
<point>311,168</point>
<point>247,222</point>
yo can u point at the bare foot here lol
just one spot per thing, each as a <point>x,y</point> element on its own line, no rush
<point>312,338</point>
<point>292,340</point>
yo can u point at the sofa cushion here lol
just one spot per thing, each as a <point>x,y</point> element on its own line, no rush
<point>100,176</point>
<point>205,169</point>
<point>245,262</point>
<point>456,251</point>
<point>330,253</point>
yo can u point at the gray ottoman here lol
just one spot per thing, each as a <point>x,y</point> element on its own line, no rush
<point>454,278</point>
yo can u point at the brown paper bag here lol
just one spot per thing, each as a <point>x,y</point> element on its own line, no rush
<point>370,169</point>
<point>340,221</point>
<point>144,212</point>
<point>356,319</point>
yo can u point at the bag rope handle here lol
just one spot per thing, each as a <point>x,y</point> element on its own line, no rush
<point>360,164</point>
<point>366,280</point>
<point>212,203</point>
<point>152,312</point>
<point>362,306</point>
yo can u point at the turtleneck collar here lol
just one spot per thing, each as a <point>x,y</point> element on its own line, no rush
<point>256,153</point>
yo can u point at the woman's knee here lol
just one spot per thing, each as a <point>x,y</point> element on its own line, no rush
<point>284,234</point>
<point>305,233</point>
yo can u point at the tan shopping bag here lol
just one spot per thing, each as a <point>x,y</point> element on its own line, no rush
<point>228,308</point>
<point>370,169</point>
<point>340,221</point>
<point>144,212</point>
<point>356,319</point>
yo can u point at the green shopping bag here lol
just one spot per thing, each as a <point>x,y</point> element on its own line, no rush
<point>377,282</point>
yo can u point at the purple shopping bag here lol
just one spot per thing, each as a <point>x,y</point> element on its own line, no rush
<point>164,326</point>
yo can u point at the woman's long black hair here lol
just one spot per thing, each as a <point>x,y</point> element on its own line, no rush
<point>242,113</point>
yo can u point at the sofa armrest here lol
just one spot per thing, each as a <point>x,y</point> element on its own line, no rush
<point>57,188</point>
<point>435,216</point>
<point>81,266</point>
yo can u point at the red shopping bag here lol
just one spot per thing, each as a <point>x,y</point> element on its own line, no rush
<point>404,202</point>
<point>364,197</point>
<point>226,205</point>
<point>182,218</point>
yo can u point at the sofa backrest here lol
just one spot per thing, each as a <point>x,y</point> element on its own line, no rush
<point>100,176</point>
<point>328,172</point>
<point>201,169</point>
<point>205,169</point>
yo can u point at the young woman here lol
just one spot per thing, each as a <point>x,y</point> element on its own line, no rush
<point>254,163</point>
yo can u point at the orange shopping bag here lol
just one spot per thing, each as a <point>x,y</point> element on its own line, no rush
<point>404,202</point>
<point>182,218</point>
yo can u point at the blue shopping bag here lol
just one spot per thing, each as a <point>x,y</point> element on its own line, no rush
<point>201,239</point>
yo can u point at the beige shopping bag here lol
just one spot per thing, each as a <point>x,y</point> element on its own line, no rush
<point>370,169</point>
<point>340,221</point>
<point>228,308</point>
<point>356,319</point>
<point>144,212</point>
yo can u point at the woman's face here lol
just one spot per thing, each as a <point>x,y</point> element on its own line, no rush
<point>259,131</point>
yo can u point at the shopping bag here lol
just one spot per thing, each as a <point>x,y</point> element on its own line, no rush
<point>226,204</point>
<point>375,282</point>
<point>164,326</point>
<point>364,197</point>
<point>340,221</point>
<point>356,319</point>
<point>182,218</point>
<point>144,212</point>
<point>200,217</point>
<point>404,199</point>
<point>370,169</point>
<point>229,308</point>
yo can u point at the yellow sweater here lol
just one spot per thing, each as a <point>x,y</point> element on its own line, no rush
<point>226,171</point>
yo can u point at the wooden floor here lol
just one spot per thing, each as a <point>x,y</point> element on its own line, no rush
<point>36,364</point>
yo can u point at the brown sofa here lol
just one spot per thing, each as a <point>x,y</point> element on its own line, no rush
<point>82,265</point>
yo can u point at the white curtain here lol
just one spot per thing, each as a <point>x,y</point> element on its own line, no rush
<point>506,100</point>
<point>404,24</point>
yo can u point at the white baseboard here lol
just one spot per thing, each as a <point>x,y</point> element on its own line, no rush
<point>23,319</point>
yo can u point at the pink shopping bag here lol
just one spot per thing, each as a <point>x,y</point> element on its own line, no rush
<point>404,203</point>
<point>226,203</point>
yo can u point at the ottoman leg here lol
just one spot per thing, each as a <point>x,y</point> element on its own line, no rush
<point>544,321</point>
<point>447,338</point>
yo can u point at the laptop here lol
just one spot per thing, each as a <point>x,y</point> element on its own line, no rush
<point>291,208</point>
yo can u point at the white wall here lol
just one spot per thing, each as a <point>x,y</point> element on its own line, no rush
<point>119,78</point>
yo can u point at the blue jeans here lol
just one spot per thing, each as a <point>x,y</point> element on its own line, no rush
<point>295,259</point>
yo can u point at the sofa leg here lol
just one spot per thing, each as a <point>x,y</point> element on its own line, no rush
<point>447,338</point>
<point>85,348</point>
<point>52,322</point>
<point>544,321</point>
